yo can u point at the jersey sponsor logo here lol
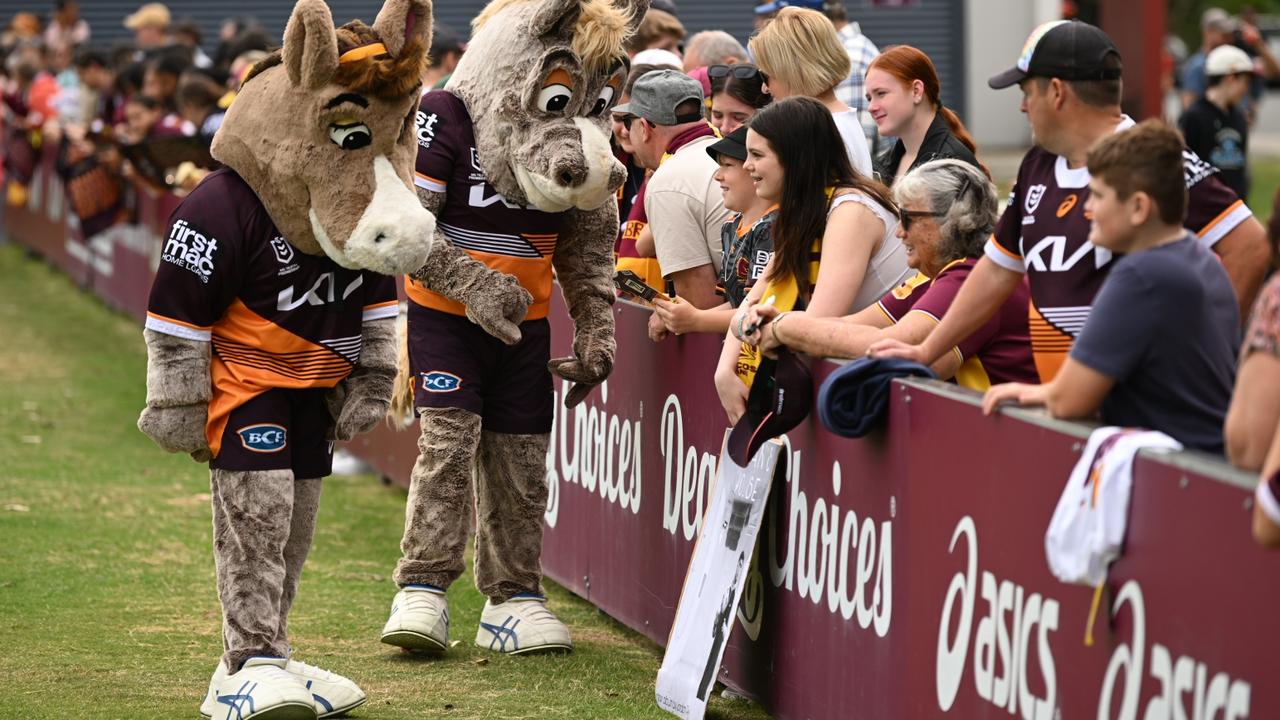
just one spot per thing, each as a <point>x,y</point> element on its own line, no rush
<point>323,291</point>
<point>427,125</point>
<point>282,249</point>
<point>761,262</point>
<point>1058,259</point>
<point>1068,204</point>
<point>1034,194</point>
<point>1195,168</point>
<point>263,438</point>
<point>190,249</point>
<point>438,381</point>
<point>479,199</point>
<point>475,160</point>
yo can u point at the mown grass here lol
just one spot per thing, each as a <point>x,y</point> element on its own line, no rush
<point>107,600</point>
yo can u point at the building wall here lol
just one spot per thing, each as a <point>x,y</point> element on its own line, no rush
<point>995,31</point>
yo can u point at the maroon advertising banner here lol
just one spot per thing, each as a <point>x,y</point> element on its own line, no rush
<point>898,576</point>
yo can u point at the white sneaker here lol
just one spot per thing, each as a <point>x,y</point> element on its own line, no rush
<point>520,625</point>
<point>419,620</point>
<point>262,690</point>
<point>331,694</point>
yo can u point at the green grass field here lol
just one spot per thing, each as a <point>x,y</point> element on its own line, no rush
<point>107,601</point>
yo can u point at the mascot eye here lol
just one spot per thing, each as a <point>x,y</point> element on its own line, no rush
<point>350,137</point>
<point>554,98</point>
<point>604,102</point>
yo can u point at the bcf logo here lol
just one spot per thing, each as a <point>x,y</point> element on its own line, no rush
<point>440,382</point>
<point>262,438</point>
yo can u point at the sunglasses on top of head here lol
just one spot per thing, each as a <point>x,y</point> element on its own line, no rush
<point>741,71</point>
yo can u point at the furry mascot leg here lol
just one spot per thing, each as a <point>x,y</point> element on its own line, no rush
<point>437,524</point>
<point>511,492</point>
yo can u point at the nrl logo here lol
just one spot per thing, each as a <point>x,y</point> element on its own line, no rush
<point>1034,195</point>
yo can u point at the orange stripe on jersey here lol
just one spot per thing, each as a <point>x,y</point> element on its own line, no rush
<point>1049,345</point>
<point>544,244</point>
<point>428,178</point>
<point>382,304</point>
<point>253,355</point>
<point>1005,250</point>
<point>533,273</point>
<point>175,321</point>
<point>1221,216</point>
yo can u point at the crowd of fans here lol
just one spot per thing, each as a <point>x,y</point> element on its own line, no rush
<point>812,192</point>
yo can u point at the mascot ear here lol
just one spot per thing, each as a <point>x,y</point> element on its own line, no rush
<point>637,9</point>
<point>556,18</point>
<point>400,22</point>
<point>310,45</point>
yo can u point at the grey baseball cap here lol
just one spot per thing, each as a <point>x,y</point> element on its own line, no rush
<point>657,94</point>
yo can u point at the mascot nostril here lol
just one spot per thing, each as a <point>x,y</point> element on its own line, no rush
<point>567,179</point>
<point>270,332</point>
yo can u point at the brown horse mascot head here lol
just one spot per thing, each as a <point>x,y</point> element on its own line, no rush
<point>323,131</point>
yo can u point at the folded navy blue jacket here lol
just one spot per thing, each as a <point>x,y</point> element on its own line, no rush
<point>855,397</point>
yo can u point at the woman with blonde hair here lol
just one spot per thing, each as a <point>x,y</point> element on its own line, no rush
<point>904,97</point>
<point>800,54</point>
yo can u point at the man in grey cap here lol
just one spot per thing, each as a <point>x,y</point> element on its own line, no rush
<point>684,204</point>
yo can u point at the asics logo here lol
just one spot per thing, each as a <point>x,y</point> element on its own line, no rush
<point>240,703</point>
<point>502,634</point>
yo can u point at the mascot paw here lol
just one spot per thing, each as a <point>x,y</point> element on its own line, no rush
<point>500,308</point>
<point>354,410</point>
<point>585,374</point>
<point>178,429</point>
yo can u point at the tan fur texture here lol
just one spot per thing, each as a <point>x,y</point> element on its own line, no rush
<point>511,497</point>
<point>363,398</point>
<point>584,267</point>
<point>495,300</point>
<point>257,558</point>
<point>178,393</point>
<point>279,135</point>
<point>514,45</point>
<point>438,515</point>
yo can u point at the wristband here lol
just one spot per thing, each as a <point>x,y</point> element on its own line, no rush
<point>777,338</point>
<point>737,327</point>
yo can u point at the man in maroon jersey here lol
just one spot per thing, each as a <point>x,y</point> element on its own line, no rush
<point>1069,73</point>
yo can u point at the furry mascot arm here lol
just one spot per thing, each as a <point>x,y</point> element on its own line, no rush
<point>363,398</point>
<point>495,300</point>
<point>584,266</point>
<point>178,393</point>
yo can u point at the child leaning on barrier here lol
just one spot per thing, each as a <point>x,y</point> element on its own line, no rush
<point>1159,347</point>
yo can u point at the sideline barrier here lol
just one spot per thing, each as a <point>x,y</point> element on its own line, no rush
<point>898,576</point>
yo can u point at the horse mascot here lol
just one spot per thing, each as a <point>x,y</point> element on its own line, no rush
<point>270,329</point>
<point>514,160</point>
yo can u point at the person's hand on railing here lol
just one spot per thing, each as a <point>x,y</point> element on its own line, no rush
<point>890,348</point>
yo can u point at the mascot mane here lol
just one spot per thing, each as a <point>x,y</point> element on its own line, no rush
<point>364,65</point>
<point>598,37</point>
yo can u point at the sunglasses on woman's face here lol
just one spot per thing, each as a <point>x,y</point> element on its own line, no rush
<point>906,217</point>
<point>742,72</point>
<point>625,120</point>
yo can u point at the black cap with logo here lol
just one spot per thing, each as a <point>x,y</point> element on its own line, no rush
<point>1063,49</point>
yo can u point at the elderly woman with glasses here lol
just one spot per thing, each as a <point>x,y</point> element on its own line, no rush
<point>947,209</point>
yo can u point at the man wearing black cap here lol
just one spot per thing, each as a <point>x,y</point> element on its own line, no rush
<point>1069,73</point>
<point>682,199</point>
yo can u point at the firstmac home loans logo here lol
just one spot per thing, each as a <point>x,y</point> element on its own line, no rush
<point>188,248</point>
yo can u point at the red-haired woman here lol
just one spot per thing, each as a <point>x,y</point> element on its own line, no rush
<point>904,98</point>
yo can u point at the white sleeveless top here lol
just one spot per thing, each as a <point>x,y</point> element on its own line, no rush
<point>888,266</point>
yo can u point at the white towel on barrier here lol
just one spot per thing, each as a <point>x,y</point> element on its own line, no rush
<point>1088,526</point>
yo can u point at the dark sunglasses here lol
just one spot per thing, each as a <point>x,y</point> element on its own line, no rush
<point>905,217</point>
<point>625,120</point>
<point>741,71</point>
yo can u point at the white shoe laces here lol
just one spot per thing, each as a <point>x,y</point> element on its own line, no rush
<point>312,671</point>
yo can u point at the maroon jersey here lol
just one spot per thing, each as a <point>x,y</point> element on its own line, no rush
<point>277,317</point>
<point>1044,233</point>
<point>997,352</point>
<point>507,237</point>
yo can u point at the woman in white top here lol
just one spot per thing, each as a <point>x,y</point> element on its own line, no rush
<point>800,54</point>
<point>835,243</point>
